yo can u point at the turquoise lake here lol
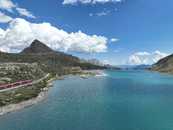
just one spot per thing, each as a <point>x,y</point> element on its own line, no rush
<point>122,100</point>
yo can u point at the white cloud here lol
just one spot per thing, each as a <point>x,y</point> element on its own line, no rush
<point>103,13</point>
<point>114,40</point>
<point>25,12</point>
<point>145,57</point>
<point>21,33</point>
<point>73,2</point>
<point>9,6</point>
<point>4,18</point>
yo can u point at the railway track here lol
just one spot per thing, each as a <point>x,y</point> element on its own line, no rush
<point>28,83</point>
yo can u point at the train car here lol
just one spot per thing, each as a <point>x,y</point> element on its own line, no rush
<point>12,85</point>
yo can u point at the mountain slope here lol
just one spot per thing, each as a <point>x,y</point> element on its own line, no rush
<point>164,65</point>
<point>37,47</point>
<point>50,60</point>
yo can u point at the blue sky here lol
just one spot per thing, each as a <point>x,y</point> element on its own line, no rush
<point>143,28</point>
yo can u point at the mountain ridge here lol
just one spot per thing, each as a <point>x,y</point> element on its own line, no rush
<point>48,59</point>
<point>164,65</point>
<point>37,47</point>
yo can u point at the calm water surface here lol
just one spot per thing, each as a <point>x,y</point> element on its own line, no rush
<point>123,100</point>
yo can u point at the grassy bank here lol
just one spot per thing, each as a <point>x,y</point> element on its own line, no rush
<point>22,94</point>
<point>25,93</point>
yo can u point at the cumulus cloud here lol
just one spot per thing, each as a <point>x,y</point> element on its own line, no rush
<point>9,6</point>
<point>21,33</point>
<point>73,2</point>
<point>146,57</point>
<point>4,18</point>
<point>25,12</point>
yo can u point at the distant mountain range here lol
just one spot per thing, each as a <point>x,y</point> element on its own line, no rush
<point>50,60</point>
<point>141,67</point>
<point>58,62</point>
<point>135,67</point>
<point>164,65</point>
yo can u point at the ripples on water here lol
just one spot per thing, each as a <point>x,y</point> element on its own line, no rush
<point>119,100</point>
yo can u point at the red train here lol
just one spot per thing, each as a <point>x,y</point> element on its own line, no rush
<point>12,85</point>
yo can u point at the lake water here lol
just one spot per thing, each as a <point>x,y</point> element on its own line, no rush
<point>122,100</point>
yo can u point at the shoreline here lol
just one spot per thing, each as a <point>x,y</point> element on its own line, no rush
<point>43,94</point>
<point>28,103</point>
<point>95,73</point>
<point>15,107</point>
